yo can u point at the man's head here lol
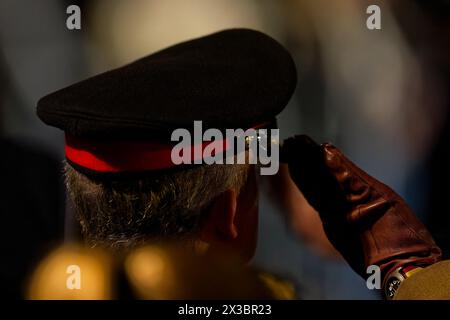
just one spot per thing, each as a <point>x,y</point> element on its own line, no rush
<point>122,121</point>
<point>210,207</point>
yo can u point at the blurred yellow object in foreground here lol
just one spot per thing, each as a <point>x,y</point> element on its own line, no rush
<point>161,272</point>
<point>156,272</point>
<point>72,273</point>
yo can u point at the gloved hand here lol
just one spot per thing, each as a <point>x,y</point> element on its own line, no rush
<point>366,221</point>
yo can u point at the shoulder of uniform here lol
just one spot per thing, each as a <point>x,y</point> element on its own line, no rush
<point>431,283</point>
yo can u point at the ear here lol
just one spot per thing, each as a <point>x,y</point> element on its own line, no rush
<point>220,226</point>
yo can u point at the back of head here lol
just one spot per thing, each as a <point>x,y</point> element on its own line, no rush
<point>129,212</point>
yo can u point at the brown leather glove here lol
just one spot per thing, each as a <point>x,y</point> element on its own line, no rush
<point>367,222</point>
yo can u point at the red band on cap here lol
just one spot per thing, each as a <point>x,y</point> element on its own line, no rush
<point>129,156</point>
<point>124,156</point>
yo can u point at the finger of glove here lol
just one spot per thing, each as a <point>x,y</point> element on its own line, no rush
<point>308,168</point>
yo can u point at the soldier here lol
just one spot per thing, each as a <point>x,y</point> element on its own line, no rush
<point>127,191</point>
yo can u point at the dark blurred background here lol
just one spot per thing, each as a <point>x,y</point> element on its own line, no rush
<point>380,95</point>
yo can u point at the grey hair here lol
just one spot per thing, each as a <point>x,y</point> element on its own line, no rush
<point>126,213</point>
